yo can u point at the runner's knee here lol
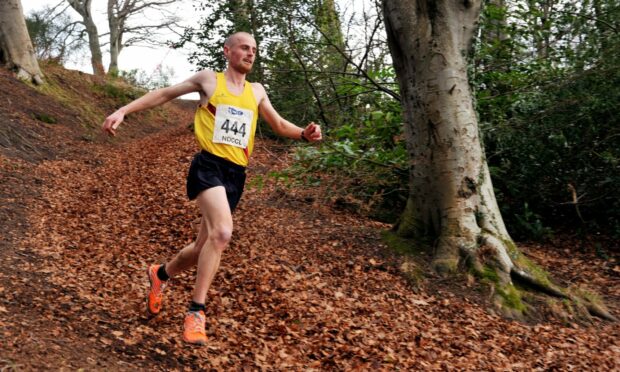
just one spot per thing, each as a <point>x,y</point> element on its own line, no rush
<point>221,236</point>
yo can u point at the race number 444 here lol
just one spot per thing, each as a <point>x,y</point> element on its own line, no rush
<point>232,125</point>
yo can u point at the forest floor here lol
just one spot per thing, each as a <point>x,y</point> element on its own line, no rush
<point>302,286</point>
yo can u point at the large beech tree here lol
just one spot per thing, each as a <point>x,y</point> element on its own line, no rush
<point>451,200</point>
<point>16,51</point>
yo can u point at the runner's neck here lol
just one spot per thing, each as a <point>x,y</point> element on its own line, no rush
<point>235,79</point>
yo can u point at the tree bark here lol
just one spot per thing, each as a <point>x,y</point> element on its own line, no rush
<point>116,42</point>
<point>451,200</point>
<point>16,51</point>
<point>96,57</point>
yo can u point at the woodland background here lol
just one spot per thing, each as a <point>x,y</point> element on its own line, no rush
<point>544,74</point>
<point>546,81</point>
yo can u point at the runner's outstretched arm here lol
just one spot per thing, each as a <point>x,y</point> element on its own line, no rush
<point>281,126</point>
<point>155,98</point>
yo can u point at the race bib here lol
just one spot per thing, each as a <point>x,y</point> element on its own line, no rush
<point>232,126</point>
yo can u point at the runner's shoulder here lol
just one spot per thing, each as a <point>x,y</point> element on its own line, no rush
<point>205,76</point>
<point>204,81</point>
<point>258,86</point>
<point>259,91</point>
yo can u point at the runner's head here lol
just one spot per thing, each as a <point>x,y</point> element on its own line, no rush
<point>240,51</point>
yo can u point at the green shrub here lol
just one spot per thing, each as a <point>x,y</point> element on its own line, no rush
<point>361,166</point>
<point>555,153</point>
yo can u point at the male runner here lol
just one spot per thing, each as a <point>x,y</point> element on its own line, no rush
<point>224,124</point>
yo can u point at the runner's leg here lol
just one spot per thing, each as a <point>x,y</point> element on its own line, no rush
<point>188,256</point>
<point>217,216</point>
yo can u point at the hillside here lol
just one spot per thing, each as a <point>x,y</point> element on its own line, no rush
<point>62,121</point>
<point>302,286</point>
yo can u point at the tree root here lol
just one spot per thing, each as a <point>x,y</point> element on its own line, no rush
<point>529,280</point>
<point>552,290</point>
<point>23,74</point>
<point>497,261</point>
<point>599,311</point>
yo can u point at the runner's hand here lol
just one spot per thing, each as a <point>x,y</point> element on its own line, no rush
<point>313,132</point>
<point>112,122</point>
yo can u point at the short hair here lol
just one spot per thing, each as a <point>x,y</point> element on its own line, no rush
<point>230,39</point>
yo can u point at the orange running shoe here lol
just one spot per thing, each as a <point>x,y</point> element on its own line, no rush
<point>154,297</point>
<point>194,328</point>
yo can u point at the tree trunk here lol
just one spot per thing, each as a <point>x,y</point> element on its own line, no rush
<point>497,31</point>
<point>328,23</point>
<point>255,25</point>
<point>96,57</point>
<point>544,42</point>
<point>451,200</point>
<point>115,36</point>
<point>495,35</point>
<point>246,18</point>
<point>16,51</point>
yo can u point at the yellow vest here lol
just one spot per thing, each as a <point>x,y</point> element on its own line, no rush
<point>226,125</point>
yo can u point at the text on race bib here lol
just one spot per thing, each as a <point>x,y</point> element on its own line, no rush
<point>232,125</point>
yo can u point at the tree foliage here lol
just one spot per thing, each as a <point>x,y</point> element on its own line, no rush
<point>311,69</point>
<point>363,165</point>
<point>280,33</point>
<point>547,86</point>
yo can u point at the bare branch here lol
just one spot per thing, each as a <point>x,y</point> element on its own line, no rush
<point>312,88</point>
<point>369,44</point>
<point>359,68</point>
<point>130,7</point>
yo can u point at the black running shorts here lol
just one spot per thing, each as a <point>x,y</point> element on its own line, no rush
<point>208,170</point>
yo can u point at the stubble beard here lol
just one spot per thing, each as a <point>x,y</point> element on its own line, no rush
<point>243,69</point>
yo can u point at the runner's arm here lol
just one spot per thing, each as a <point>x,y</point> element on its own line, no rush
<point>281,126</point>
<point>152,99</point>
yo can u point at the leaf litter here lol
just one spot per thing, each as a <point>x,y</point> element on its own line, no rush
<point>302,285</point>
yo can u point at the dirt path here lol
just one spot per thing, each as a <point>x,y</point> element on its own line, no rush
<point>301,286</point>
